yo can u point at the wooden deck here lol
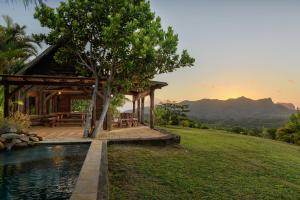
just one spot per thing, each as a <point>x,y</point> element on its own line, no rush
<point>57,133</point>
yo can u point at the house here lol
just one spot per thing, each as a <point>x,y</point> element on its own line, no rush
<point>48,89</point>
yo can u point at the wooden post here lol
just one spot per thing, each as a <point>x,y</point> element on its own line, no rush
<point>44,106</point>
<point>6,100</point>
<point>142,110</point>
<point>152,108</point>
<point>139,110</point>
<point>133,106</point>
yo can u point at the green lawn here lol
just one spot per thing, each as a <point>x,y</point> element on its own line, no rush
<point>208,164</point>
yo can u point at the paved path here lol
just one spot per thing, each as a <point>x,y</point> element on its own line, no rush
<point>75,133</point>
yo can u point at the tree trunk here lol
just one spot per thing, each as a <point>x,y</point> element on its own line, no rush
<point>89,115</point>
<point>99,125</point>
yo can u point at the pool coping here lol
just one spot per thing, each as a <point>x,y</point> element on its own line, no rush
<point>92,182</point>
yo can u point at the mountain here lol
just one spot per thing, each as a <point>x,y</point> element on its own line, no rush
<point>288,105</point>
<point>240,111</point>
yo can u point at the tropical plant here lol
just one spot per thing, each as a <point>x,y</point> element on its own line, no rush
<point>26,2</point>
<point>119,41</point>
<point>15,46</point>
<point>19,121</point>
<point>117,100</point>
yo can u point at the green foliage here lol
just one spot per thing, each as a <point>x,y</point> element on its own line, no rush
<point>17,120</point>
<point>120,42</point>
<point>269,133</point>
<point>171,113</point>
<point>238,130</point>
<point>117,40</point>
<point>79,105</point>
<point>185,123</point>
<point>291,131</point>
<point>294,122</point>
<point>15,46</point>
<point>118,100</point>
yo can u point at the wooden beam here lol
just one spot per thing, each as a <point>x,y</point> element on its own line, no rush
<point>152,109</point>
<point>142,110</point>
<point>6,100</point>
<point>142,95</point>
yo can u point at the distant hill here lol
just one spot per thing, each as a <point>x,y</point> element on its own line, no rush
<point>241,111</point>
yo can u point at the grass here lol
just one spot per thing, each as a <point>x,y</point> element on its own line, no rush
<point>209,164</point>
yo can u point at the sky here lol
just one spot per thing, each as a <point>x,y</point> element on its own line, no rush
<point>242,48</point>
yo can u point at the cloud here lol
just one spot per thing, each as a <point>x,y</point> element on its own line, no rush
<point>291,81</point>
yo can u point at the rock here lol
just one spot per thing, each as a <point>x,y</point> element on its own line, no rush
<point>40,138</point>
<point>22,144</point>
<point>10,136</point>
<point>2,146</point>
<point>24,138</point>
<point>2,139</point>
<point>34,139</point>
<point>9,130</point>
<point>16,141</point>
<point>32,134</point>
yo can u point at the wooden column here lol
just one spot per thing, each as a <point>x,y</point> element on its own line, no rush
<point>142,110</point>
<point>133,106</point>
<point>151,108</point>
<point>139,110</point>
<point>6,100</point>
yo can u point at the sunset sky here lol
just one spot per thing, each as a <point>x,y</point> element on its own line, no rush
<point>241,47</point>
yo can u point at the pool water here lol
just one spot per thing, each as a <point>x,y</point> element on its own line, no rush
<point>42,172</point>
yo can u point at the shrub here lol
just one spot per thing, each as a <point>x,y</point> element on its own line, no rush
<point>269,133</point>
<point>193,125</point>
<point>185,123</point>
<point>203,126</point>
<point>297,138</point>
<point>282,132</point>
<point>17,120</point>
<point>254,132</point>
<point>238,130</point>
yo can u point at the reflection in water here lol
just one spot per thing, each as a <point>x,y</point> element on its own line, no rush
<point>42,172</point>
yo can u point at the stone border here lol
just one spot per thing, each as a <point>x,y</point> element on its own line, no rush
<point>89,185</point>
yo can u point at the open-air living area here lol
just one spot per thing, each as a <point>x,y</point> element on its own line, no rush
<point>149,100</point>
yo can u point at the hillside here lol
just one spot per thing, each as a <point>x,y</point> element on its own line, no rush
<point>208,164</point>
<point>237,109</point>
<point>239,112</point>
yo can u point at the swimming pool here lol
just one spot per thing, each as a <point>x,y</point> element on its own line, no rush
<point>42,172</point>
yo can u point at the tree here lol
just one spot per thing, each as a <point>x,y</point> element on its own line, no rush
<point>171,113</point>
<point>120,42</point>
<point>15,46</point>
<point>294,122</point>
